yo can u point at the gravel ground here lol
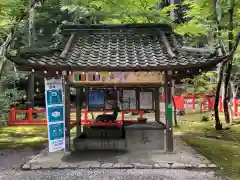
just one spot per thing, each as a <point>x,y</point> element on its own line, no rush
<point>113,175</point>
<point>12,160</point>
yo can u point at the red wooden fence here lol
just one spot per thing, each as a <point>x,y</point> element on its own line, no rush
<point>29,120</point>
<point>182,102</point>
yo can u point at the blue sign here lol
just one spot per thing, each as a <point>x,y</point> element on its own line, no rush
<point>96,100</point>
<point>56,131</point>
<point>54,96</point>
<point>55,113</point>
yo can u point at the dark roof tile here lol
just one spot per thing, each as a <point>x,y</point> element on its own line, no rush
<point>115,49</point>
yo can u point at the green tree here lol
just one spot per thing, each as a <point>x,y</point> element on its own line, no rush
<point>215,21</point>
<point>202,85</point>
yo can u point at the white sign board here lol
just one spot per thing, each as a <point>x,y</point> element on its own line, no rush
<point>130,96</point>
<point>55,111</point>
<point>188,106</point>
<point>146,100</point>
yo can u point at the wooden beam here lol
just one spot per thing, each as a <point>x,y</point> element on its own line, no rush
<point>67,104</point>
<point>157,106</point>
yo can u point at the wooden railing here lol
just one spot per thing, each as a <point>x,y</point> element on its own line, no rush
<point>182,102</point>
<point>28,119</point>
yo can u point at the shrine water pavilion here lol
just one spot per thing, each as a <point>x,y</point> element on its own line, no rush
<point>138,57</point>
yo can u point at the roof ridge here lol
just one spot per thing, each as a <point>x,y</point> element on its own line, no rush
<point>167,45</point>
<point>197,50</point>
<point>90,27</point>
<point>68,46</point>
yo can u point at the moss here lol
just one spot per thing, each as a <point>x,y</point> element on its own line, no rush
<point>18,143</point>
<point>225,154</point>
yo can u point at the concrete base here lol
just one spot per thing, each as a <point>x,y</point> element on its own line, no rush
<point>99,144</point>
<point>103,132</point>
<point>145,139</point>
<point>145,136</point>
<point>185,157</point>
<point>132,138</point>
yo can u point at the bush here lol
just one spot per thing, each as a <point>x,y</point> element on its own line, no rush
<point>205,118</point>
<point>7,98</point>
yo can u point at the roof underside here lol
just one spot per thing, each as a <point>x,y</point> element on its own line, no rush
<point>117,48</point>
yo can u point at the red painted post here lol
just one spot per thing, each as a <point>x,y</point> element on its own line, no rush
<point>141,114</point>
<point>182,102</point>
<point>204,104</point>
<point>86,115</point>
<point>235,107</point>
<point>210,104</point>
<point>30,112</point>
<point>122,115</point>
<point>11,116</point>
<point>220,105</point>
<point>194,103</point>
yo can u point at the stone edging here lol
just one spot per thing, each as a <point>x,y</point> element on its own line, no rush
<point>119,166</point>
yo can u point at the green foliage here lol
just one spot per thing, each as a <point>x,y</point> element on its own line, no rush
<point>9,97</point>
<point>203,84</point>
<point>120,11</point>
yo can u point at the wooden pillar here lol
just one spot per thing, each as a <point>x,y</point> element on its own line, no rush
<point>157,106</point>
<point>168,111</point>
<point>78,111</point>
<point>67,103</point>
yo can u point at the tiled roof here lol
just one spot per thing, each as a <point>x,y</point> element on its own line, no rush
<point>121,47</point>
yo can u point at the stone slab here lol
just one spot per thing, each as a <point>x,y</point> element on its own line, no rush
<point>106,165</point>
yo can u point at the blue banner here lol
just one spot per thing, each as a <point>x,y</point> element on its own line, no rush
<point>55,114</point>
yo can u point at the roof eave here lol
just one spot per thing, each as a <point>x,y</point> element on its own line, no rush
<point>23,65</point>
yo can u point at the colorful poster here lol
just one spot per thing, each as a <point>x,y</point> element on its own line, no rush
<point>119,77</point>
<point>104,76</point>
<point>54,96</point>
<point>55,114</point>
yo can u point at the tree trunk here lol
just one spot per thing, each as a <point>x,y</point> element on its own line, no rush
<point>175,112</point>
<point>233,89</point>
<point>229,64</point>
<point>218,124</point>
<point>226,95</point>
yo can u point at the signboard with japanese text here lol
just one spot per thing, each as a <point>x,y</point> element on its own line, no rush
<point>117,77</point>
<point>55,114</point>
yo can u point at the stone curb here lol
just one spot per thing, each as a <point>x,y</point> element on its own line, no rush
<point>120,166</point>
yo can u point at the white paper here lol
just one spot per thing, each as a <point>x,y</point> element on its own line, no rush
<point>146,100</point>
<point>130,95</point>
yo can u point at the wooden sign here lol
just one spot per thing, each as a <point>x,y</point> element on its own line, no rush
<point>117,77</point>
